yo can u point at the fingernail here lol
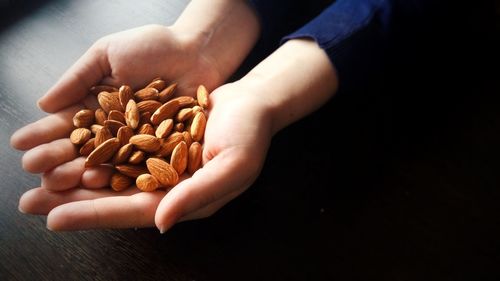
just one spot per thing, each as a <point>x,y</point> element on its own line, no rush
<point>49,228</point>
<point>162,230</point>
<point>21,210</point>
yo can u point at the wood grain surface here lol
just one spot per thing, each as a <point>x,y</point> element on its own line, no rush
<point>396,180</point>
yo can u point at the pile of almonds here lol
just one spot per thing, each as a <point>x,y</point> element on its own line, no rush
<point>148,136</point>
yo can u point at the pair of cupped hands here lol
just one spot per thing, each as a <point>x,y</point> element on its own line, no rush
<point>237,136</point>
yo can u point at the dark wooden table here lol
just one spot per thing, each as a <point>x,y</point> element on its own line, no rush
<point>405,188</point>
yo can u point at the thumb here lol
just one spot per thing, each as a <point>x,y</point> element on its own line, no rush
<point>77,80</point>
<point>220,178</point>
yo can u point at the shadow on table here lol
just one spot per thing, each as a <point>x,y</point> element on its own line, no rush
<point>14,10</point>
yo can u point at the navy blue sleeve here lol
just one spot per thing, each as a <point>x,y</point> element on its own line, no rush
<point>353,33</point>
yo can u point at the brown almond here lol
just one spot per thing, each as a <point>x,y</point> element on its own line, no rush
<point>125,94</point>
<point>185,101</point>
<point>167,93</point>
<point>124,134</point>
<point>120,182</point>
<point>165,128</point>
<point>136,157</point>
<point>148,106</point>
<point>179,127</point>
<point>117,116</point>
<point>144,119</point>
<point>145,142</point>
<point>132,114</point>
<point>158,83</point>
<point>198,125</point>
<point>166,111</point>
<point>146,94</point>
<point>102,135</point>
<point>194,157</point>
<point>146,129</point>
<point>179,157</point>
<point>113,126</point>
<point>95,90</point>
<point>100,116</point>
<point>80,136</point>
<point>132,171</point>
<point>83,118</point>
<point>184,114</point>
<point>103,152</point>
<point>109,101</point>
<point>122,154</point>
<point>95,128</point>
<point>162,171</point>
<point>202,96</point>
<point>196,109</point>
<point>87,148</point>
<point>147,183</point>
<point>169,144</point>
<point>187,138</point>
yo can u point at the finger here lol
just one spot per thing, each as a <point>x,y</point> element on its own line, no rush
<point>77,80</point>
<point>47,156</point>
<point>39,201</point>
<point>97,177</point>
<point>108,212</point>
<point>219,177</point>
<point>49,128</point>
<point>64,176</point>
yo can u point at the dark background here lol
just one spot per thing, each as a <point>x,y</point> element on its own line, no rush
<point>397,178</point>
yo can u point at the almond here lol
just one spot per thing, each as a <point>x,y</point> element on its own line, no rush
<point>167,93</point>
<point>113,126</point>
<point>95,90</point>
<point>95,128</point>
<point>166,111</point>
<point>136,157</point>
<point>122,154</point>
<point>157,83</point>
<point>125,94</point>
<point>162,171</point>
<point>83,118</point>
<point>185,101</point>
<point>184,114</point>
<point>179,158</point>
<point>109,101</point>
<point>164,128</point>
<point>120,182</point>
<point>169,144</point>
<point>146,94</point>
<point>132,171</point>
<point>145,142</point>
<point>124,134</point>
<point>187,138</point>
<point>87,148</point>
<point>100,116</point>
<point>197,128</point>
<point>148,106</point>
<point>194,157</point>
<point>117,116</point>
<point>179,127</point>
<point>132,114</point>
<point>146,129</point>
<point>103,152</point>
<point>202,96</point>
<point>80,136</point>
<point>102,135</point>
<point>147,182</point>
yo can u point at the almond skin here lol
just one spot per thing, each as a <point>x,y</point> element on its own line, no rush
<point>165,128</point>
<point>179,157</point>
<point>147,182</point>
<point>113,126</point>
<point>122,154</point>
<point>197,128</point>
<point>132,171</point>
<point>157,83</point>
<point>124,134</point>
<point>80,136</point>
<point>146,129</point>
<point>148,106</point>
<point>100,116</point>
<point>202,96</point>
<point>87,148</point>
<point>162,171</point>
<point>184,114</point>
<point>145,142</point>
<point>146,94</point>
<point>102,135</point>
<point>167,93</point>
<point>194,157</point>
<point>120,182</point>
<point>109,101</point>
<point>136,157</point>
<point>185,101</point>
<point>125,94</point>
<point>132,114</point>
<point>117,116</point>
<point>103,152</point>
<point>169,144</point>
<point>83,118</point>
<point>166,111</point>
